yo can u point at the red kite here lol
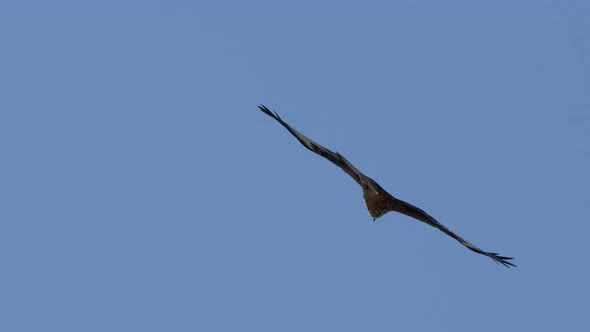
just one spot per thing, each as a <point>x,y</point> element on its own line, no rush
<point>377,200</point>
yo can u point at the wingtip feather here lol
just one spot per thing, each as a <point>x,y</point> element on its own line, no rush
<point>502,260</point>
<point>273,114</point>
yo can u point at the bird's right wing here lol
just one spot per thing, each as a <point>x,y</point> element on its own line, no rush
<point>417,213</point>
<point>335,157</point>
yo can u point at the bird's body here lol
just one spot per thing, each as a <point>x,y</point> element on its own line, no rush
<point>377,200</point>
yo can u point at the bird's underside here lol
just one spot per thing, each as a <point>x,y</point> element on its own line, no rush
<point>377,200</point>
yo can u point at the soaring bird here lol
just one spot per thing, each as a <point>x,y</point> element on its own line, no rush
<point>377,200</point>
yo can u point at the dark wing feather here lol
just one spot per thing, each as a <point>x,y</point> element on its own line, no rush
<point>416,213</point>
<point>335,157</point>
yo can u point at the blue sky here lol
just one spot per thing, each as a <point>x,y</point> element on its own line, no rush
<point>142,190</point>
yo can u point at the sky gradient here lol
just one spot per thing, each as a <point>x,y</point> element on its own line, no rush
<point>142,189</point>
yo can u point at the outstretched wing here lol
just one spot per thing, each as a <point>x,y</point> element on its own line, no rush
<point>335,157</point>
<point>416,213</point>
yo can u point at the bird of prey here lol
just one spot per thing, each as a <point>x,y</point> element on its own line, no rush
<point>377,200</point>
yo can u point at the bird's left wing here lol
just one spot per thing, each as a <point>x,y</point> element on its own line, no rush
<point>335,157</point>
<point>416,213</point>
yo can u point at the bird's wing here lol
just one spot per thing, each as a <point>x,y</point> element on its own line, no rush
<point>414,212</point>
<point>335,157</point>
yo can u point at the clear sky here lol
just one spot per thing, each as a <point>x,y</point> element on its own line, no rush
<point>142,190</point>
